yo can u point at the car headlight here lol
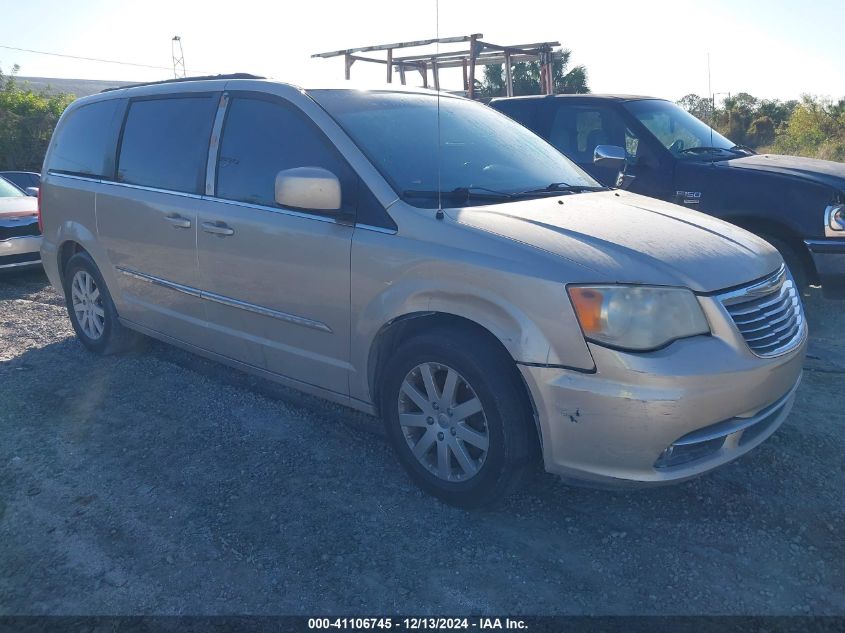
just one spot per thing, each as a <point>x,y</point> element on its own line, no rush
<point>637,318</point>
<point>835,219</point>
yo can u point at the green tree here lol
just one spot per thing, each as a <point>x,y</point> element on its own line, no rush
<point>526,78</point>
<point>816,129</point>
<point>27,120</point>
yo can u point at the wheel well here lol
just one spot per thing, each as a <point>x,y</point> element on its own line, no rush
<point>789,237</point>
<point>66,251</point>
<point>393,334</point>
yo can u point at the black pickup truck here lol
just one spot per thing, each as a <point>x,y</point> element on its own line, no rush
<point>797,204</point>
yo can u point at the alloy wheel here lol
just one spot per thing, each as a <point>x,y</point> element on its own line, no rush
<point>443,422</point>
<point>88,305</point>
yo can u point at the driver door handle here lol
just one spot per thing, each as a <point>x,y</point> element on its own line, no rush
<point>217,228</point>
<point>178,222</point>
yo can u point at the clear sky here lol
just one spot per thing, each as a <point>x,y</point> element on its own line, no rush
<point>770,48</point>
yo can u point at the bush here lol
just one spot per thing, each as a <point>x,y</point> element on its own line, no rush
<point>27,120</point>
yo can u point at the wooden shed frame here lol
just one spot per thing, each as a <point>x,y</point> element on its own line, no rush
<point>480,53</point>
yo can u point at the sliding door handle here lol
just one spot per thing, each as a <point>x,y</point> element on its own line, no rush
<point>178,222</point>
<point>217,228</point>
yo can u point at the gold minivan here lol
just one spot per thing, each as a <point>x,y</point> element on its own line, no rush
<point>423,258</point>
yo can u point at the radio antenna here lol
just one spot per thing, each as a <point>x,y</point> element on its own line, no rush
<point>712,100</point>
<point>439,214</point>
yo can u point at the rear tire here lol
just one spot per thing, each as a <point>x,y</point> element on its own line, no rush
<point>466,434</point>
<point>91,309</point>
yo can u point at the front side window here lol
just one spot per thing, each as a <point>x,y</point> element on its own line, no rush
<point>678,131</point>
<point>473,147</point>
<point>165,143</point>
<point>262,138</point>
<point>84,142</point>
<point>577,130</point>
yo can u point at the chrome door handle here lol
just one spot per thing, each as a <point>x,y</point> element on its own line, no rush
<point>178,221</point>
<point>217,229</point>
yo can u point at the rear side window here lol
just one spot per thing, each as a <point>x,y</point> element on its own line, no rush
<point>84,144</point>
<point>165,143</point>
<point>262,138</point>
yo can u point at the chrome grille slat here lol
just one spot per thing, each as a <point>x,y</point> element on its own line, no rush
<point>767,314</point>
<point>777,309</point>
<point>759,306</point>
<point>791,322</point>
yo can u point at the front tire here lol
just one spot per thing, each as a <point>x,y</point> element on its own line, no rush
<point>91,309</point>
<point>456,413</point>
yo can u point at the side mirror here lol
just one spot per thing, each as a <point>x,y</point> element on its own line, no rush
<point>31,191</point>
<point>309,188</point>
<point>611,156</point>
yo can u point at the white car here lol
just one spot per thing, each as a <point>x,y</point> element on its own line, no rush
<point>20,237</point>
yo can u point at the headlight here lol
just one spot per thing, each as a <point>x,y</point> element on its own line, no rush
<point>637,318</point>
<point>835,220</point>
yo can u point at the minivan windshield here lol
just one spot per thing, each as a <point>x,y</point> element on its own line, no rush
<point>484,156</point>
<point>680,132</point>
<point>8,190</point>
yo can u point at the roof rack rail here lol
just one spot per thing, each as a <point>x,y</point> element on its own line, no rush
<point>184,79</point>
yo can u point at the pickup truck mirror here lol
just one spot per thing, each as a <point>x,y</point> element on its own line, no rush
<point>308,188</point>
<point>611,156</point>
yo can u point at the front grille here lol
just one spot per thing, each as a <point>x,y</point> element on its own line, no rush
<point>768,314</point>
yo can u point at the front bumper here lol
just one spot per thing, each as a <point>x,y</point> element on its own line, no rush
<point>829,259</point>
<point>708,397</point>
<point>20,252</point>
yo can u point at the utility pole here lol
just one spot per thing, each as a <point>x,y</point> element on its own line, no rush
<point>178,57</point>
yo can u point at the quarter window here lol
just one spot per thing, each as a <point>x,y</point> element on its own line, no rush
<point>84,143</point>
<point>262,138</point>
<point>165,143</point>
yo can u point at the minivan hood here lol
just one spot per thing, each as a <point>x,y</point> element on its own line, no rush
<point>621,237</point>
<point>825,172</point>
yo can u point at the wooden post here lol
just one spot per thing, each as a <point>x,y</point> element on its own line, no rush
<point>424,73</point>
<point>471,89</point>
<point>347,62</point>
<point>390,65</point>
<point>508,75</point>
<point>402,73</point>
<point>466,80</point>
<point>436,73</point>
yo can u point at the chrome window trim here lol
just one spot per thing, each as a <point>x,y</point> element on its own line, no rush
<point>101,181</point>
<point>59,174</point>
<point>376,229</point>
<point>280,210</point>
<point>227,301</point>
<point>182,194</point>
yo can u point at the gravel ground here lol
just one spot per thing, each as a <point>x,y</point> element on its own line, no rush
<point>160,483</point>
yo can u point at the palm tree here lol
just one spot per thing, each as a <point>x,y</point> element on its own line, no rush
<point>526,78</point>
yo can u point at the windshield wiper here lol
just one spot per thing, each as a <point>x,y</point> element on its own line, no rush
<point>560,187</point>
<point>743,148</point>
<point>701,149</point>
<point>459,194</point>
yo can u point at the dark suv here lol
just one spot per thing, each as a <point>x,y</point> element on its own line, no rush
<point>797,204</point>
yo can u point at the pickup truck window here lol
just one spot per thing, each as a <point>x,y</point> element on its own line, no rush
<point>678,130</point>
